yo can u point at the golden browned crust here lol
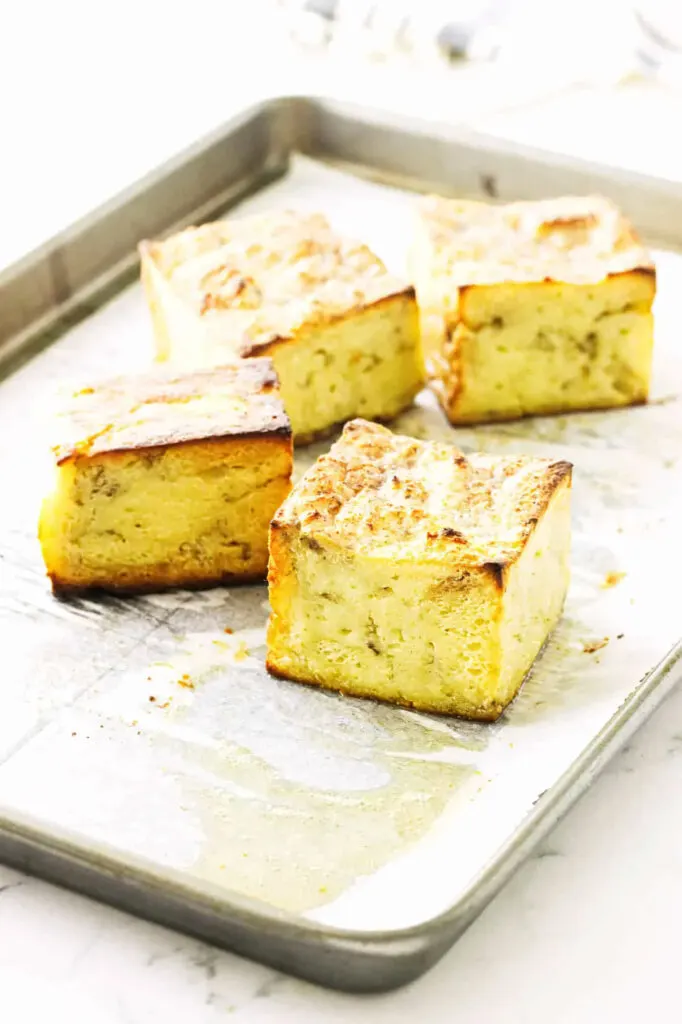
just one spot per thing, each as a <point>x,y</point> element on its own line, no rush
<point>162,408</point>
<point>573,239</point>
<point>265,278</point>
<point>447,396</point>
<point>266,345</point>
<point>65,589</point>
<point>391,496</point>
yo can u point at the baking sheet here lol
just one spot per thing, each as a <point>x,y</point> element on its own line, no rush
<point>149,727</point>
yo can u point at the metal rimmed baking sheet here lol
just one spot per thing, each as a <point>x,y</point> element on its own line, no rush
<point>345,841</point>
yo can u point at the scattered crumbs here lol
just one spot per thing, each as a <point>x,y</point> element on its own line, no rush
<point>228,630</point>
<point>186,682</point>
<point>620,636</point>
<point>612,579</point>
<point>595,645</point>
<point>663,400</point>
<point>241,653</point>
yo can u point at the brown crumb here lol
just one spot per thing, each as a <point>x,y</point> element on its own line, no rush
<point>74,734</point>
<point>166,703</point>
<point>663,400</point>
<point>612,579</point>
<point>152,698</point>
<point>186,682</point>
<point>228,630</point>
<point>589,647</point>
<point>620,636</point>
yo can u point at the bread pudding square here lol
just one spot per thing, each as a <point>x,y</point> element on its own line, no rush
<point>167,479</point>
<point>342,332</point>
<point>406,571</point>
<point>533,308</point>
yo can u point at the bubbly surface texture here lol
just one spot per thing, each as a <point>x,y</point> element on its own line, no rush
<point>574,239</point>
<point>389,496</point>
<point>273,274</point>
<point>166,407</point>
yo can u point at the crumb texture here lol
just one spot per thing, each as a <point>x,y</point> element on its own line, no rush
<point>405,571</point>
<point>533,308</point>
<point>167,480</point>
<point>342,332</point>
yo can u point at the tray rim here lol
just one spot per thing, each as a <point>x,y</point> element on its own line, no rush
<point>291,122</point>
<point>376,960</point>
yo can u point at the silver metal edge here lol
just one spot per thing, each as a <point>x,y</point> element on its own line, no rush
<point>395,149</point>
<point>349,960</point>
<point>73,273</point>
<point>371,961</point>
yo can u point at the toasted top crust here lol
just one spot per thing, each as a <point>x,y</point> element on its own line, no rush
<point>577,240</point>
<point>386,496</point>
<point>166,408</point>
<point>266,277</point>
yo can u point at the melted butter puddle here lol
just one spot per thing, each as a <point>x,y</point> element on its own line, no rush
<point>299,793</point>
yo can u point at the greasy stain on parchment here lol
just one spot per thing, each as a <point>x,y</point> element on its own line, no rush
<point>299,792</point>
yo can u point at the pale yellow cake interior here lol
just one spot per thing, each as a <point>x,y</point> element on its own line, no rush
<point>342,332</point>
<point>533,308</point>
<point>190,513</point>
<point>166,478</point>
<point>375,600</point>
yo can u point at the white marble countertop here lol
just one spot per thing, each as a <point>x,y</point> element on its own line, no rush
<point>587,931</point>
